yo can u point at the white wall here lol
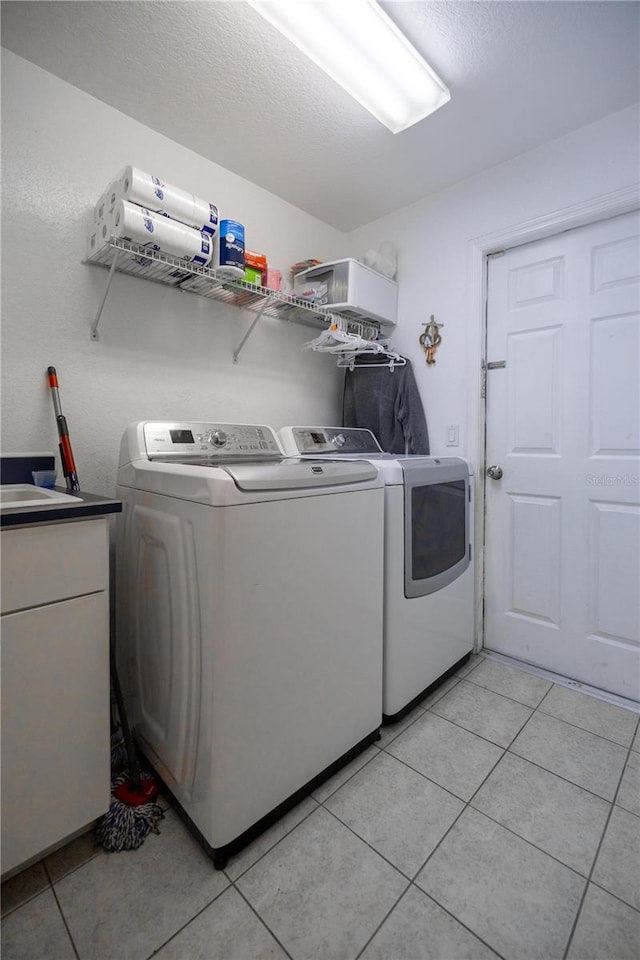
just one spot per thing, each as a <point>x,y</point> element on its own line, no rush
<point>161,354</point>
<point>433,236</point>
<point>165,354</point>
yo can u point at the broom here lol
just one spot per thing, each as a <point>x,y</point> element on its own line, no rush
<point>133,812</point>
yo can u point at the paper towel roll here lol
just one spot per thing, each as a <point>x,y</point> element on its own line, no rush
<point>138,187</point>
<point>106,203</point>
<point>140,225</point>
<point>98,239</point>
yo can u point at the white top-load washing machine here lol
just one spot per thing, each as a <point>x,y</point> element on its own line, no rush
<point>249,618</point>
<point>428,565</point>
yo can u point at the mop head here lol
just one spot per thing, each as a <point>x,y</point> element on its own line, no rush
<point>126,825</point>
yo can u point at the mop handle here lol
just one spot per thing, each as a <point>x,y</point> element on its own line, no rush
<point>66,453</point>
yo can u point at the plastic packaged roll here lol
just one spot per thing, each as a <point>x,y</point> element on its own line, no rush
<point>135,186</point>
<point>138,263</point>
<point>140,225</point>
<point>104,206</point>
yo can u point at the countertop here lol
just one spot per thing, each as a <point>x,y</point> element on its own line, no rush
<point>91,506</point>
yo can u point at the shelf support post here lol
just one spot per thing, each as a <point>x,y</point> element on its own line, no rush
<point>94,328</point>
<point>236,352</point>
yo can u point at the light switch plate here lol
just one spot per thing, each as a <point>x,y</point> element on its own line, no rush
<point>452,435</point>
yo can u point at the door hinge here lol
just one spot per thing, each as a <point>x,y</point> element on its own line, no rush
<point>496,365</point>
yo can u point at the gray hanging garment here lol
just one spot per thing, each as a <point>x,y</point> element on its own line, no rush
<point>386,402</point>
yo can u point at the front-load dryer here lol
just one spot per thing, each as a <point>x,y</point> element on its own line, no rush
<point>249,618</point>
<point>428,559</point>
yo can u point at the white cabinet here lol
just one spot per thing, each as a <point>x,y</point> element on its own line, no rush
<point>55,684</point>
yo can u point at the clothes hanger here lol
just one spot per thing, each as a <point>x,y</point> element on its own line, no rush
<point>391,360</point>
<point>350,340</point>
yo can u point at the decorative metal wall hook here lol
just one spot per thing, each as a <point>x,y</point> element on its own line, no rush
<point>430,340</point>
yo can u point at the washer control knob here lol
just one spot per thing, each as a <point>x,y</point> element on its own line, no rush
<point>339,440</point>
<point>217,438</point>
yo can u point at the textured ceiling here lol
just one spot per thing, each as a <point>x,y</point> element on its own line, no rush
<point>217,78</point>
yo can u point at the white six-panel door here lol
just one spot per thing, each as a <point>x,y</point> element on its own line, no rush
<point>562,541</point>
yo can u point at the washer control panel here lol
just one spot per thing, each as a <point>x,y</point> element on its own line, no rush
<point>186,440</point>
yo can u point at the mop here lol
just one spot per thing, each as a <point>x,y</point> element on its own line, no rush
<point>133,812</point>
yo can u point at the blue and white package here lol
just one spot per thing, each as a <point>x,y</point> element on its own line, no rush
<point>229,254</point>
<point>148,191</point>
<point>143,226</point>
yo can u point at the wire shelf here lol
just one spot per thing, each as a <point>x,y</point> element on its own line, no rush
<point>154,265</point>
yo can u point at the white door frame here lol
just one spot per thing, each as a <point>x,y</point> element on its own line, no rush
<point>478,249</point>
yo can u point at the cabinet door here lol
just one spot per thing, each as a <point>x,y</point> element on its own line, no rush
<point>43,563</point>
<point>55,724</point>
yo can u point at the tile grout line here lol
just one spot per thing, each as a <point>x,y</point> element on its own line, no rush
<point>440,907</point>
<point>565,683</point>
<point>383,921</point>
<point>441,841</point>
<point>412,878</point>
<point>583,876</point>
<point>187,922</point>
<point>458,920</point>
<point>553,773</point>
<point>576,726</point>
<point>335,816</point>
<point>61,912</point>
<point>408,727</point>
<point>506,696</point>
<point>278,841</point>
<point>460,727</point>
<point>500,745</point>
<point>50,880</point>
<point>468,804</point>
<point>595,861</point>
<point>492,742</point>
<point>99,852</point>
<point>262,920</point>
<point>534,763</point>
<point>628,746</point>
<point>630,906</point>
<point>411,881</point>
<point>507,748</point>
<point>31,896</point>
<point>435,782</point>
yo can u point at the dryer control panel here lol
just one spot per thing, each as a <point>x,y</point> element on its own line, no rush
<point>353,441</point>
<point>185,441</point>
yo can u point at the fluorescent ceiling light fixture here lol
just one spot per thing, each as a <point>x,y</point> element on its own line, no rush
<point>361,48</point>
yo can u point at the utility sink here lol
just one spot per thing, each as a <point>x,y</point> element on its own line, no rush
<point>22,495</point>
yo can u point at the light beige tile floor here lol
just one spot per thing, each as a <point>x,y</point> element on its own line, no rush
<point>500,819</point>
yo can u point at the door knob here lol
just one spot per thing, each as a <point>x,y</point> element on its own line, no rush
<point>494,472</point>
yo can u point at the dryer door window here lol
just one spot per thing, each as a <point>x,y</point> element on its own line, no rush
<point>436,529</point>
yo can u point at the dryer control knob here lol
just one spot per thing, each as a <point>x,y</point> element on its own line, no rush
<point>217,437</point>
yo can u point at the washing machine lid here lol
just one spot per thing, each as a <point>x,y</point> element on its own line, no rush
<point>298,474</point>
